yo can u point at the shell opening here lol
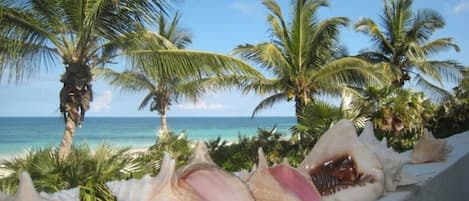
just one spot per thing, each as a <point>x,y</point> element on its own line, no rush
<point>338,174</point>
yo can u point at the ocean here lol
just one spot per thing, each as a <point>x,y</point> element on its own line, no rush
<point>20,133</point>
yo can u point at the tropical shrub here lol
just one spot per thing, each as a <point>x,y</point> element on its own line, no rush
<point>314,119</point>
<point>318,116</point>
<point>398,114</point>
<point>244,153</point>
<point>179,147</point>
<point>452,116</point>
<point>82,168</point>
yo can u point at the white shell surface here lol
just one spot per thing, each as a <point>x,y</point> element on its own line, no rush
<point>429,149</point>
<point>209,181</point>
<point>163,187</point>
<point>342,139</point>
<point>27,192</point>
<point>391,161</point>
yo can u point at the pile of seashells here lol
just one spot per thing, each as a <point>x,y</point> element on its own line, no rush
<point>340,167</point>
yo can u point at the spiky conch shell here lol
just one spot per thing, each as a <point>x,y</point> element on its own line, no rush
<point>211,182</point>
<point>429,149</point>
<point>339,140</point>
<point>27,192</point>
<point>280,183</point>
<point>243,175</point>
<point>164,187</point>
<point>391,161</point>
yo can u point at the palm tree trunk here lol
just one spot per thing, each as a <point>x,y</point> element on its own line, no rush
<point>67,139</point>
<point>164,123</point>
<point>298,108</point>
<point>75,98</point>
<point>300,102</point>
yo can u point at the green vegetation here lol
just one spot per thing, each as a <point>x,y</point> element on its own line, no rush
<point>182,74</point>
<point>403,48</point>
<point>36,34</point>
<point>242,155</point>
<point>452,116</point>
<point>82,168</point>
<point>304,57</point>
<point>178,146</point>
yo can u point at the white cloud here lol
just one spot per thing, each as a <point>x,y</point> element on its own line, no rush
<point>461,7</point>
<point>102,103</point>
<point>247,7</point>
<point>201,106</point>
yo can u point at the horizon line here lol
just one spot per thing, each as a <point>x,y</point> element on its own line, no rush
<point>1,116</point>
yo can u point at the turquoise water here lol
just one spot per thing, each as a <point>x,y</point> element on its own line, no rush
<point>20,133</point>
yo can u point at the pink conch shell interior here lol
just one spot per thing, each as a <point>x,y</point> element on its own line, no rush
<point>342,168</point>
<point>209,181</point>
<point>280,183</point>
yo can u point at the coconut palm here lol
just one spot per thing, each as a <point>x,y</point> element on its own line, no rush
<point>402,45</point>
<point>304,57</point>
<point>38,34</point>
<point>184,74</point>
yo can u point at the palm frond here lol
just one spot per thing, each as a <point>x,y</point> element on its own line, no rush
<point>21,60</point>
<point>263,86</point>
<point>19,24</point>
<point>323,40</point>
<point>278,25</point>
<point>368,26</point>
<point>145,101</point>
<point>348,71</point>
<point>425,22</point>
<point>316,118</point>
<point>373,56</point>
<point>302,26</point>
<point>269,102</point>
<point>439,45</point>
<point>129,81</point>
<point>179,37</point>
<point>437,93</point>
<point>265,54</point>
<point>442,71</point>
<point>189,63</point>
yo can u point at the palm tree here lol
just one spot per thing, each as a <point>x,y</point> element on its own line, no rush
<point>163,79</point>
<point>304,57</point>
<point>37,34</point>
<point>402,45</point>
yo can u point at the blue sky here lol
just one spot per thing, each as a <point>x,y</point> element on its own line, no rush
<point>219,26</point>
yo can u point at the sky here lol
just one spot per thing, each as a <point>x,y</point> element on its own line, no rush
<point>219,26</point>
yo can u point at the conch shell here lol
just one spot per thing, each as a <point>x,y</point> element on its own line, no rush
<point>209,181</point>
<point>429,149</point>
<point>164,187</point>
<point>199,180</point>
<point>280,183</point>
<point>391,161</point>
<point>342,168</point>
<point>27,192</point>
